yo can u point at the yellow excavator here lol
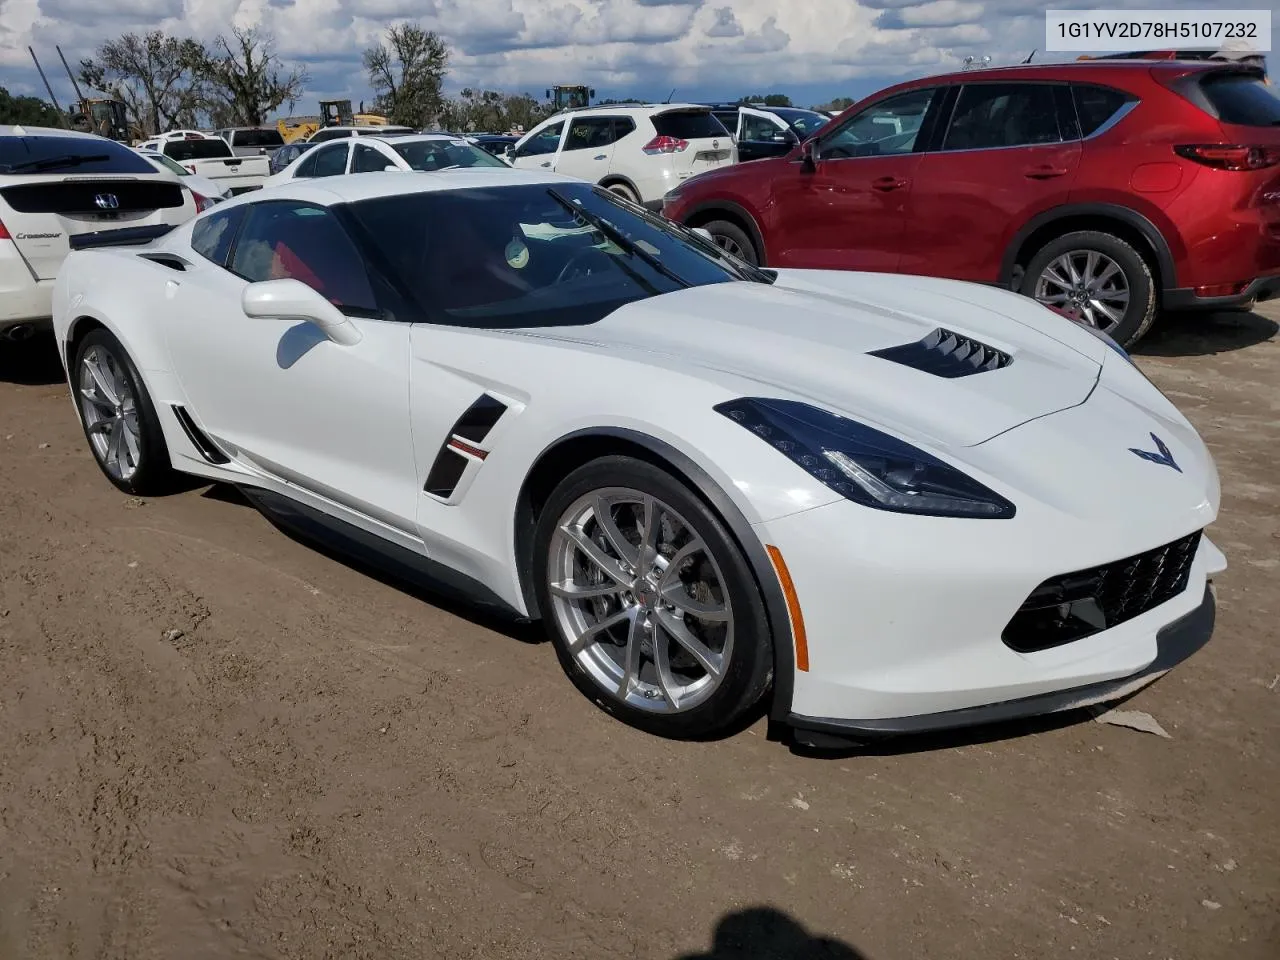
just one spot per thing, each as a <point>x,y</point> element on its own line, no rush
<point>333,113</point>
<point>105,116</point>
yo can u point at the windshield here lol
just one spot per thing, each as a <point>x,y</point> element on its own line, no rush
<point>45,155</point>
<point>197,149</point>
<point>803,122</point>
<point>443,154</point>
<point>160,160</point>
<point>534,255</point>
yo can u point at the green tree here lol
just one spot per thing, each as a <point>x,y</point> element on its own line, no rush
<point>243,80</point>
<point>769,100</point>
<point>406,72</point>
<point>157,76</point>
<point>31,111</point>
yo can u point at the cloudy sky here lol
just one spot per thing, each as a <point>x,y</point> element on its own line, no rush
<point>811,49</point>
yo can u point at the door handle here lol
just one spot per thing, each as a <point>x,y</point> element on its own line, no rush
<point>601,156</point>
<point>1045,172</point>
<point>886,184</point>
<point>546,164</point>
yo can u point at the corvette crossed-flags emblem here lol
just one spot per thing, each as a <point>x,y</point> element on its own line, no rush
<point>1160,455</point>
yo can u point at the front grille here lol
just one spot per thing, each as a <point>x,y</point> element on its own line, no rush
<point>1077,605</point>
<point>81,196</point>
<point>946,354</point>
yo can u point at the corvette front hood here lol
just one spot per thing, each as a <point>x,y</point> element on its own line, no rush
<point>813,341</point>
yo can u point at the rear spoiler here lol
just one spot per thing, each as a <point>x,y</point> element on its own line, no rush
<point>123,237</point>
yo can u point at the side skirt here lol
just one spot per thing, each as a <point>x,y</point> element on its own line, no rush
<point>392,559</point>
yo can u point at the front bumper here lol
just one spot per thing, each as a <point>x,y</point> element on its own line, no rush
<point>1258,290</point>
<point>1175,643</point>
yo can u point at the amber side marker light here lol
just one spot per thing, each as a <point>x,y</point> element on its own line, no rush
<point>793,606</point>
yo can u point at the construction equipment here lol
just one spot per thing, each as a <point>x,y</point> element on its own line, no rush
<point>570,97</point>
<point>333,113</point>
<point>105,116</point>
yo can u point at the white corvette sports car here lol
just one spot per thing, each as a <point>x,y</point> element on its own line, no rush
<point>887,503</point>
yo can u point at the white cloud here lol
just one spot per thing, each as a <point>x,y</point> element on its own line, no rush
<point>621,47</point>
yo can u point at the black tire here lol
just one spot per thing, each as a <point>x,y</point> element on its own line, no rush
<point>622,190</point>
<point>749,672</point>
<point>154,473</point>
<point>734,239</point>
<point>1143,295</point>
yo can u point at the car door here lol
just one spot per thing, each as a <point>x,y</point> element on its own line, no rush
<point>538,151</point>
<point>276,395</point>
<point>847,209</point>
<point>1009,153</point>
<point>763,135</point>
<point>587,150</point>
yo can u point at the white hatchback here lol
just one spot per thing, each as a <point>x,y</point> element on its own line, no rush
<point>638,151</point>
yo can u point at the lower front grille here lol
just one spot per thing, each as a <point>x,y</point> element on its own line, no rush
<point>1077,605</point>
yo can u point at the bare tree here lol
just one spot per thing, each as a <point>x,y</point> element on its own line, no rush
<point>406,73</point>
<point>244,79</point>
<point>156,75</point>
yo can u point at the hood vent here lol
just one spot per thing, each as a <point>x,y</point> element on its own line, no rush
<point>946,354</point>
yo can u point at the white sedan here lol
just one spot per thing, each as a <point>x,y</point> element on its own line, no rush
<point>882,504</point>
<point>429,153</point>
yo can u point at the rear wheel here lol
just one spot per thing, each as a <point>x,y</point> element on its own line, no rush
<point>622,190</point>
<point>119,420</point>
<point>733,239</point>
<point>651,606</point>
<point>1097,279</point>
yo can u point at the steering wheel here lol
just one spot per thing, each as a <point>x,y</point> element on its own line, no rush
<point>579,265</point>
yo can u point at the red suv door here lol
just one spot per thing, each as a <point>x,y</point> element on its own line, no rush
<point>848,211</point>
<point>1004,158</point>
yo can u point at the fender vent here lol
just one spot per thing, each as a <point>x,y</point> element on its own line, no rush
<point>946,354</point>
<point>462,445</point>
<point>207,448</point>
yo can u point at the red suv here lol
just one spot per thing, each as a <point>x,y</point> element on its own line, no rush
<point>1108,189</point>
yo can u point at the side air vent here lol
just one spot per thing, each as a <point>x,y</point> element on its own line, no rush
<point>462,445</point>
<point>208,449</point>
<point>166,260</point>
<point>946,354</point>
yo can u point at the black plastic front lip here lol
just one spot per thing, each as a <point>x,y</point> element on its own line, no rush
<point>1175,642</point>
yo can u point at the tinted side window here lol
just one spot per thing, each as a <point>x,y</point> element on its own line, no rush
<point>330,161</point>
<point>368,160</point>
<point>728,119</point>
<point>991,115</point>
<point>689,125</point>
<point>283,239</point>
<point>1096,105</point>
<point>589,133</point>
<point>884,129</point>
<point>1242,98</point>
<point>545,141</point>
<point>211,236</point>
<point>622,126</point>
<point>307,168</point>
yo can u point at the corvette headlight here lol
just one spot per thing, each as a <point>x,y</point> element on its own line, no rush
<point>863,464</point>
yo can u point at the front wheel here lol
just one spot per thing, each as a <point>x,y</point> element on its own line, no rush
<point>623,191</point>
<point>650,604</point>
<point>732,239</point>
<point>1096,279</point>
<point>119,420</point>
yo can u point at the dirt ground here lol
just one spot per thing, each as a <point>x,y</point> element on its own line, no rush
<point>217,742</point>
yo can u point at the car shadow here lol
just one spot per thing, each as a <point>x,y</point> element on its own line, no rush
<point>766,933</point>
<point>31,363</point>
<point>442,596</point>
<point>1205,334</point>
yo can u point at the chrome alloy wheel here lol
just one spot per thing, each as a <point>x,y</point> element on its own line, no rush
<point>641,601</point>
<point>1087,285</point>
<point>729,245</point>
<point>110,412</point>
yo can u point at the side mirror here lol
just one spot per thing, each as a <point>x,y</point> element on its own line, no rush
<point>294,300</point>
<point>809,155</point>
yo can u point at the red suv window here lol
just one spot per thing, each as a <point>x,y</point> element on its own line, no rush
<point>991,115</point>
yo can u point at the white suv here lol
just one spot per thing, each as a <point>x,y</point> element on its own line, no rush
<point>55,184</point>
<point>637,151</point>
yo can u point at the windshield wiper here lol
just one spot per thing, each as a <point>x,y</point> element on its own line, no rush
<point>619,238</point>
<point>741,269</point>
<point>48,163</point>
